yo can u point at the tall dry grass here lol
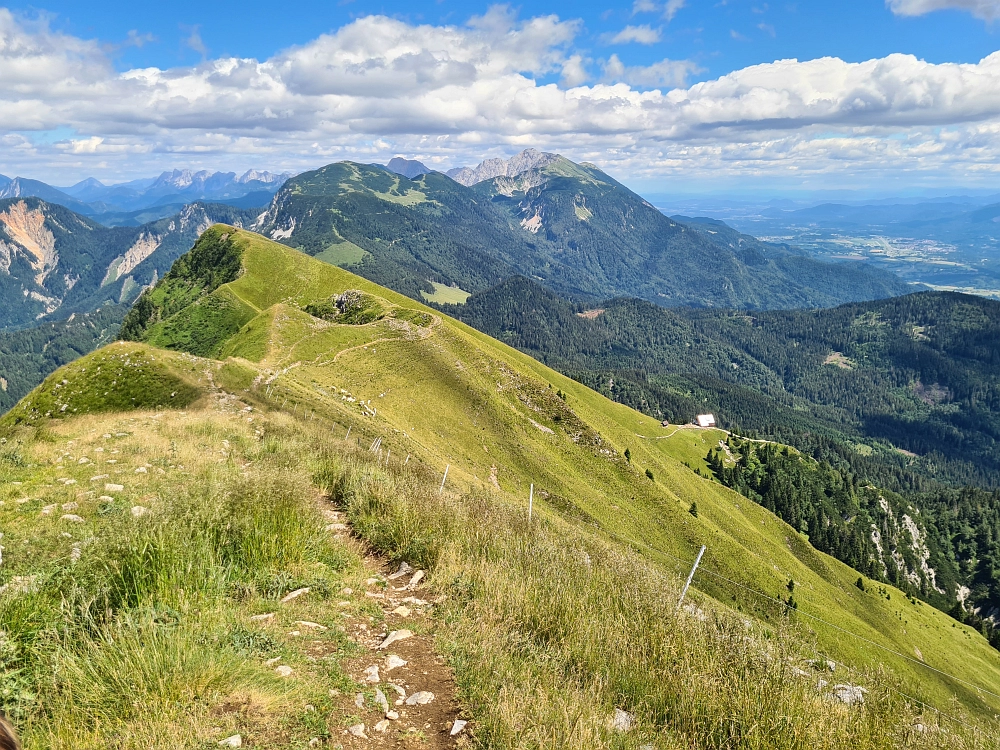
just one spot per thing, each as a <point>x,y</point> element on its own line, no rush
<point>551,629</point>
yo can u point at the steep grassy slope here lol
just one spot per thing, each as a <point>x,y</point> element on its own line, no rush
<point>440,393</point>
<point>569,226</point>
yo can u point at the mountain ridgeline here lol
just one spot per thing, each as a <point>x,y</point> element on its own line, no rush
<point>568,226</point>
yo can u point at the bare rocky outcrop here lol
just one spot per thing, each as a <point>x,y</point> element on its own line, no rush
<point>490,168</point>
<point>27,228</point>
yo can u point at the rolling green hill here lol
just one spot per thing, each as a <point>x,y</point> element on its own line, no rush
<point>291,335</point>
<point>569,226</point>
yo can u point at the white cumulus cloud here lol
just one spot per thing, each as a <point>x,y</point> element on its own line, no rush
<point>453,94</point>
<point>643,34</point>
<point>988,10</point>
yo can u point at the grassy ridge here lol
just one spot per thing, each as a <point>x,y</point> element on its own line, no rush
<point>439,393</point>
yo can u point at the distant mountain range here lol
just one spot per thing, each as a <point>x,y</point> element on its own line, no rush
<point>136,202</point>
<point>568,226</point>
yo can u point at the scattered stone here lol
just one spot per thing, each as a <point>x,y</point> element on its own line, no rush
<point>138,511</point>
<point>70,506</point>
<point>110,487</point>
<point>416,602</point>
<point>283,671</point>
<point>371,581</point>
<point>420,699</point>
<point>399,690</point>
<point>75,553</point>
<point>141,470</point>
<point>371,675</point>
<point>347,591</point>
<point>849,694</point>
<point>402,611</point>
<point>234,741</point>
<point>381,700</point>
<point>359,700</point>
<point>99,477</point>
<point>382,726</point>
<point>394,637</point>
<point>312,625</point>
<point>391,715</point>
<point>458,726</point>
<point>70,481</point>
<point>48,510</point>
<point>106,499</point>
<point>71,518</point>
<point>294,594</point>
<point>358,730</point>
<point>404,568</point>
<point>417,578</point>
<point>336,527</point>
<point>315,742</point>
<point>392,662</point>
<point>272,662</point>
<point>83,460</point>
<point>622,721</point>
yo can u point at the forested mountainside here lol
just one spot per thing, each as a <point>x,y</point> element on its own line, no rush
<point>54,262</point>
<point>910,375</point>
<point>894,405</point>
<point>569,226</point>
<point>295,352</point>
<point>28,355</point>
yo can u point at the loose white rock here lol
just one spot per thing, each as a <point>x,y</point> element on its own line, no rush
<point>849,694</point>
<point>99,477</point>
<point>70,506</point>
<point>71,518</point>
<point>458,726</point>
<point>312,625</point>
<point>395,636</point>
<point>358,730</point>
<point>382,701</point>
<point>420,699</point>
<point>138,511</point>
<point>371,675</point>
<point>234,741</point>
<point>294,594</point>
<point>622,721</point>
<point>417,578</point>
<point>283,671</point>
<point>48,510</point>
<point>262,618</point>
<point>141,470</point>
<point>111,487</point>
<point>359,700</point>
<point>392,662</point>
<point>404,568</point>
<point>382,726</point>
<point>391,715</point>
<point>402,610</point>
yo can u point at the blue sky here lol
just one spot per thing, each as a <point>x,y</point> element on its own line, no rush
<point>889,92</point>
<point>719,36</point>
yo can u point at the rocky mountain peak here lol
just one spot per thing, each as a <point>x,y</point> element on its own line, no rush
<point>490,168</point>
